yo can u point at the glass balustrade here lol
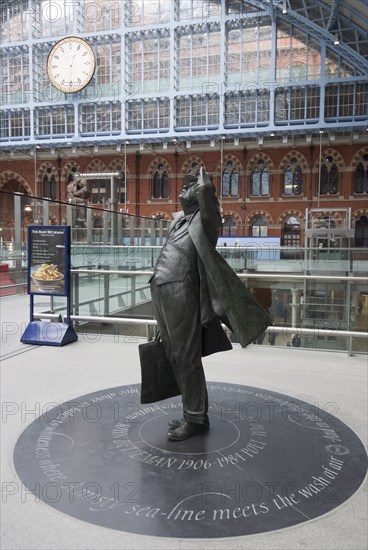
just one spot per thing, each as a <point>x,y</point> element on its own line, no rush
<point>316,298</point>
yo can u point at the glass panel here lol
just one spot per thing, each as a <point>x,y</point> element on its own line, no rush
<point>14,84</point>
<point>15,123</point>
<point>265,180</point>
<point>248,52</point>
<point>314,59</point>
<point>282,101</point>
<point>329,179</point>
<point>248,108</point>
<point>134,115</point>
<point>165,185</point>
<point>157,186</point>
<point>346,103</point>
<point>361,98</point>
<point>256,182</point>
<point>283,54</point>
<point>14,20</point>
<point>313,102</point>
<point>4,125</point>
<point>288,181</point>
<point>263,106</point>
<point>232,109</point>
<point>298,175</point>
<point>234,184</point>
<point>183,112</point>
<point>361,178</point>
<point>298,55</point>
<point>361,232</point>
<point>103,63</point>
<point>99,15</point>
<point>332,64</point>
<point>198,58</point>
<point>263,230</point>
<point>150,118</point>
<point>326,307</point>
<point>198,9</point>
<point>233,55</point>
<point>225,184</point>
<point>297,106</point>
<point>336,67</point>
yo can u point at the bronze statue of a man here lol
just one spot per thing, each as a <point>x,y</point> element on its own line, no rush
<point>78,193</point>
<point>193,291</point>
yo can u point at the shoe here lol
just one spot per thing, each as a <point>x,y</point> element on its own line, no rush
<point>173,424</point>
<point>185,430</point>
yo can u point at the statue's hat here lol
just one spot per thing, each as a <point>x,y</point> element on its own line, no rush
<point>189,179</point>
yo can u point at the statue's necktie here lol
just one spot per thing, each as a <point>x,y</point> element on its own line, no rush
<point>180,223</point>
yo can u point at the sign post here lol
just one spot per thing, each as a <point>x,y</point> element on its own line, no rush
<point>49,274</point>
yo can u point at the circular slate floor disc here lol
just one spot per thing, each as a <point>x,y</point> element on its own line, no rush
<point>268,461</point>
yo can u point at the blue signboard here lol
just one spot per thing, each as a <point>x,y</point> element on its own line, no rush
<point>49,274</point>
<point>49,260</point>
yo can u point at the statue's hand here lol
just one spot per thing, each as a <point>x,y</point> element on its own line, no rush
<point>203,177</point>
<point>202,182</point>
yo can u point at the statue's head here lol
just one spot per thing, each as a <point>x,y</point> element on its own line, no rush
<point>188,198</point>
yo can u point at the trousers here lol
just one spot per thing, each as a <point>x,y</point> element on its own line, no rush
<point>176,307</point>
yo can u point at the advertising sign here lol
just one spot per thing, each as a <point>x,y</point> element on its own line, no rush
<point>48,260</point>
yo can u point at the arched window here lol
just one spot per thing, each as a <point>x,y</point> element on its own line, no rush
<point>293,178</point>
<point>229,227</point>
<point>230,180</point>
<point>361,232</point>
<point>259,227</point>
<point>160,183</point>
<point>49,185</point>
<point>329,177</point>
<point>361,176</point>
<point>260,180</point>
<point>46,187</point>
<point>291,232</point>
<point>53,187</point>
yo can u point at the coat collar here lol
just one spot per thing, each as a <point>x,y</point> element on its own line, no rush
<point>179,216</point>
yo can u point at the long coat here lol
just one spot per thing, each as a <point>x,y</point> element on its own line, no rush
<point>223,297</point>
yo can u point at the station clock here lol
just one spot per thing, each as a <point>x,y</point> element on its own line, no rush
<point>71,64</point>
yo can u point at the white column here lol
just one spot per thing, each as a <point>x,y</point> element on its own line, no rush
<point>294,306</point>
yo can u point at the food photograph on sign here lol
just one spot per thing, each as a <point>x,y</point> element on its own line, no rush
<point>47,268</point>
<point>46,277</point>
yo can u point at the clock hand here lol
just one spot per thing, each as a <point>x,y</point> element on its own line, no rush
<point>71,68</point>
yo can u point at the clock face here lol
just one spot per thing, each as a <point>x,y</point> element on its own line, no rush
<point>71,64</point>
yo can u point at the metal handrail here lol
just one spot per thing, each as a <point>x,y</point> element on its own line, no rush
<point>112,271</point>
<point>153,322</point>
<point>240,275</point>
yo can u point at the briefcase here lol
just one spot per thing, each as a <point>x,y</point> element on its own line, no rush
<point>158,381</point>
